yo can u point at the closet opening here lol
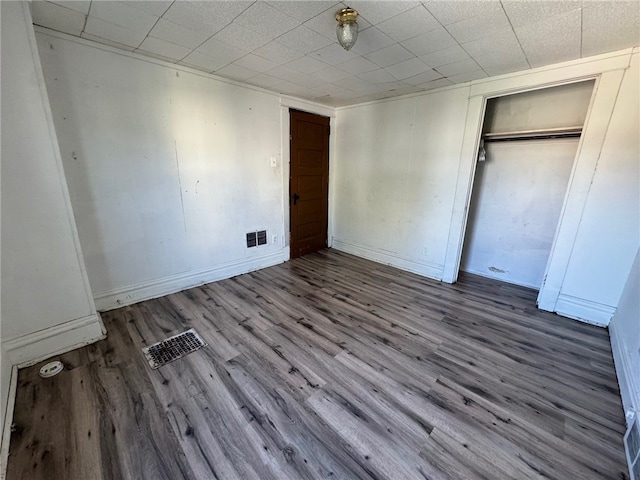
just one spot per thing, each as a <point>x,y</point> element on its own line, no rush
<point>527,151</point>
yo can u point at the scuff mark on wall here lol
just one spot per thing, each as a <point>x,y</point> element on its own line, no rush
<point>497,270</point>
<point>184,220</point>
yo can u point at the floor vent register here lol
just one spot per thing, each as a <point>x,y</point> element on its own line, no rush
<point>173,348</point>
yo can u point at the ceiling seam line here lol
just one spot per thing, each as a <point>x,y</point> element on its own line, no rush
<point>515,34</point>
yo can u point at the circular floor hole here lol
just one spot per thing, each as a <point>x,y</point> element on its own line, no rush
<point>51,369</point>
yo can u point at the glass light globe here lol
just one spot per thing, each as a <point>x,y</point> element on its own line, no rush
<point>347,34</point>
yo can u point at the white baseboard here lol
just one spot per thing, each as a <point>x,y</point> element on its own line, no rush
<point>425,269</point>
<point>175,283</point>
<point>8,421</point>
<point>584,310</point>
<point>629,386</point>
<point>34,347</point>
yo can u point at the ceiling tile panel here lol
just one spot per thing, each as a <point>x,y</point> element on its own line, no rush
<point>608,26</point>
<point>496,59</point>
<point>222,52</point>
<point>115,33</point>
<point>505,67</point>
<point>504,42</point>
<point>467,77</point>
<point>379,11</point>
<point>333,89</point>
<point>266,20</point>
<point>424,77</point>
<point>304,40</point>
<point>377,76</point>
<point>463,66</point>
<point>58,18</point>
<point>409,24</point>
<point>255,63</point>
<point>331,74</point>
<point>521,13</point>
<point>441,82</point>
<point>430,42</point>
<point>165,49</point>
<point>554,40</point>
<point>306,65</point>
<point>408,68</point>
<point>264,80</point>
<point>154,7</point>
<point>119,13</point>
<point>201,61</point>
<point>294,76</point>
<point>303,10</point>
<point>277,53</point>
<point>333,54</point>
<point>358,65</point>
<point>371,40</point>
<point>480,26</point>
<point>241,37</point>
<point>448,12</point>
<point>174,33</point>
<point>393,86</point>
<point>390,55</point>
<point>358,85</point>
<point>81,6</point>
<point>205,17</point>
<point>445,57</point>
<point>236,72</point>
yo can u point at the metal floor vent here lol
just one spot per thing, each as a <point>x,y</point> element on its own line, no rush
<point>632,448</point>
<point>173,348</point>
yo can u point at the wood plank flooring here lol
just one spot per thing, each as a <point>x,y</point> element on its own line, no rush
<point>330,366</point>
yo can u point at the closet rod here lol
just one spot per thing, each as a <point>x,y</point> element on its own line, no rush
<point>565,132</point>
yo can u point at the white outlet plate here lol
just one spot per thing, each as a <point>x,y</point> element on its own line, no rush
<point>274,239</point>
<point>274,161</point>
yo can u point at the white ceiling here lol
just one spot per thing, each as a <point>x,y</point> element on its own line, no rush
<point>403,47</point>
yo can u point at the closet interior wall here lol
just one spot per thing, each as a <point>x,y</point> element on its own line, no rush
<point>519,188</point>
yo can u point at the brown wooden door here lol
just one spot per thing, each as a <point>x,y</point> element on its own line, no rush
<point>308,182</point>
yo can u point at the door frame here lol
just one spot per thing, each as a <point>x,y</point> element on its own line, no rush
<point>287,103</point>
<point>607,73</point>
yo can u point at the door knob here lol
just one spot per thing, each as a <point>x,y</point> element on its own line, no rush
<point>296,197</point>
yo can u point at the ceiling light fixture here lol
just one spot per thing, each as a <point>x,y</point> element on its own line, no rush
<point>347,29</point>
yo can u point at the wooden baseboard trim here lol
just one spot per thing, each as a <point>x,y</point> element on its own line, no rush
<point>627,382</point>
<point>425,269</point>
<point>584,310</point>
<point>34,347</point>
<point>175,283</point>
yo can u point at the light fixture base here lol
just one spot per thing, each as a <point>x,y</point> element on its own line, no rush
<point>346,15</point>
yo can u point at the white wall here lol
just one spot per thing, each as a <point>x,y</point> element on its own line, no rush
<point>168,169</point>
<point>538,109</point>
<point>625,340</point>
<point>517,197</point>
<point>609,232</point>
<point>45,291</point>
<point>394,176</point>
<point>400,194</point>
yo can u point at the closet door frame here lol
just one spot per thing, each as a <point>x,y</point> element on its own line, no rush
<point>607,73</point>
